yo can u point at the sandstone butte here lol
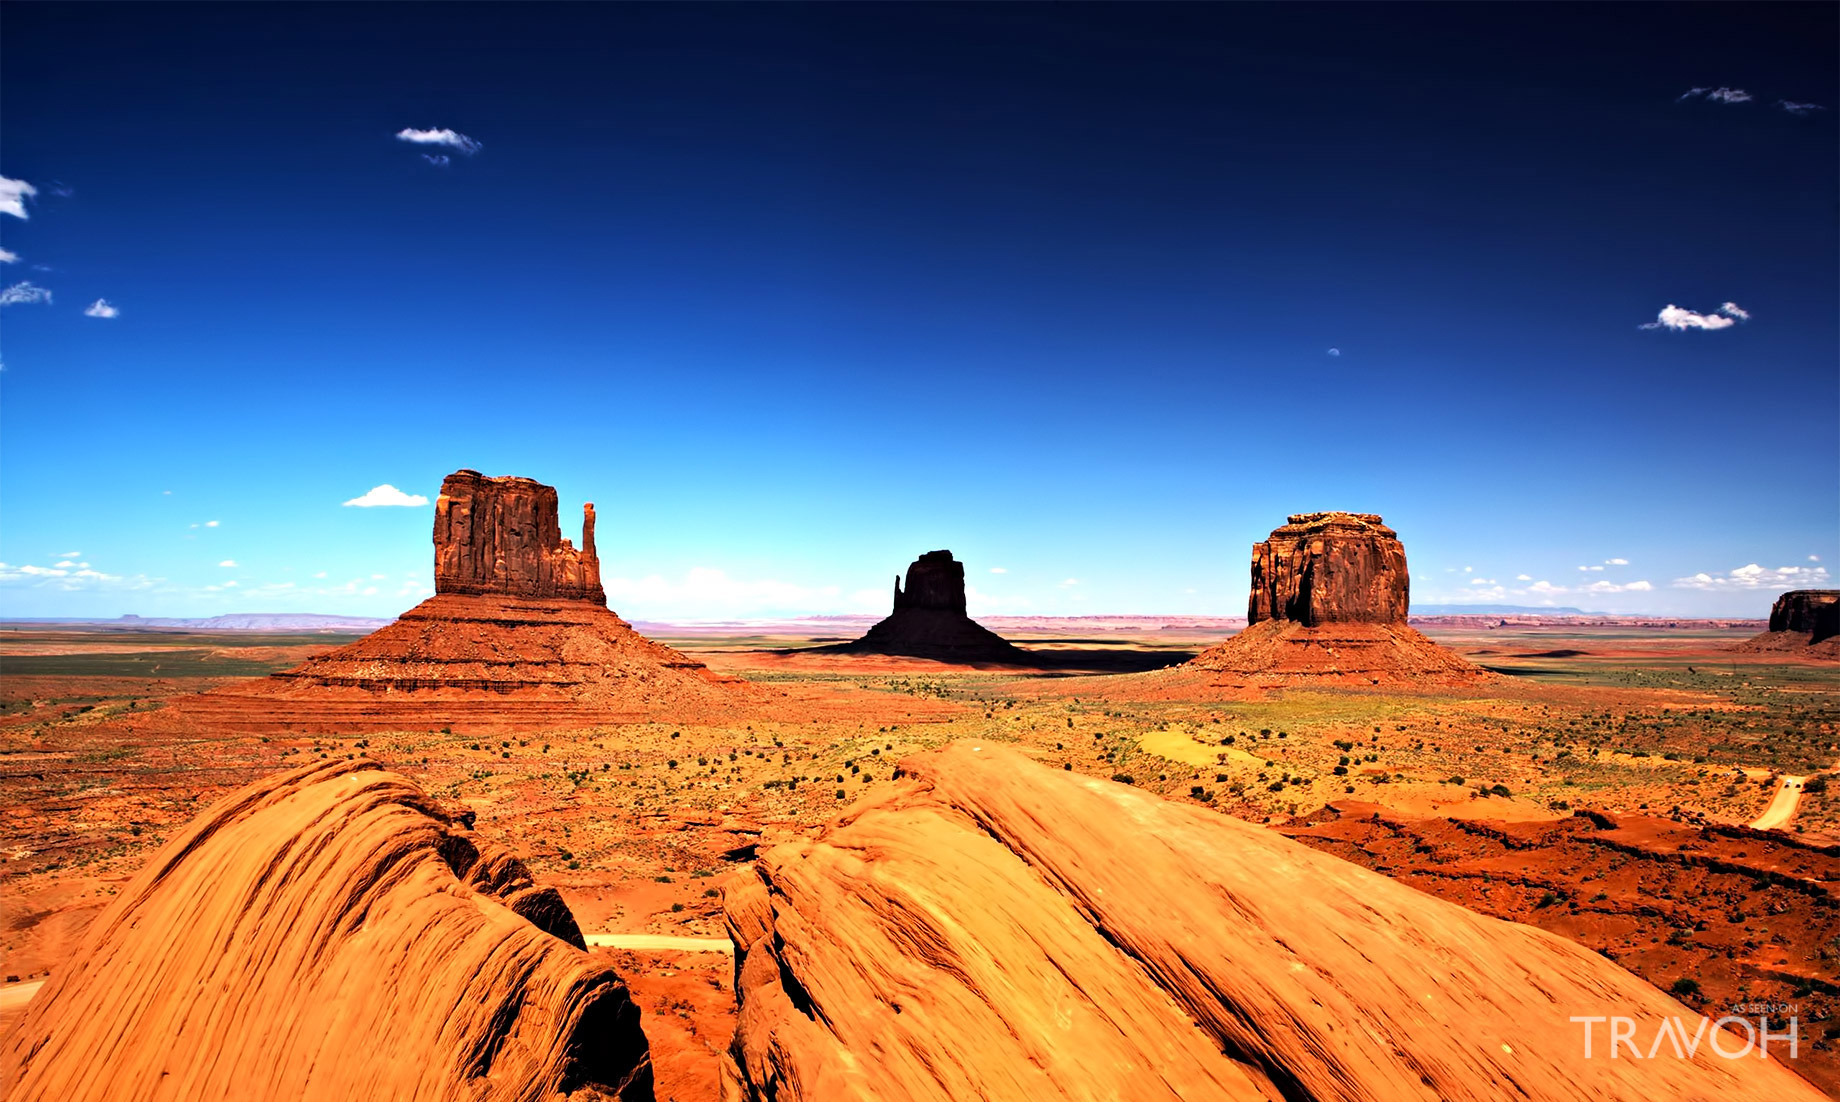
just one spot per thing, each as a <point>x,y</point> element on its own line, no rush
<point>330,933</point>
<point>1329,599</point>
<point>990,928</point>
<point>929,620</point>
<point>518,631</point>
<point>1805,621</point>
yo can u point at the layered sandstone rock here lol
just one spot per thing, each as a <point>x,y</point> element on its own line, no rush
<point>518,632</point>
<point>1815,611</point>
<point>1330,568</point>
<point>502,536</point>
<point>990,928</point>
<point>1329,598</point>
<point>929,619</point>
<point>1802,621</point>
<point>330,933</point>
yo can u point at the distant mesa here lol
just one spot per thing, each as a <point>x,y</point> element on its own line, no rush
<point>518,631</point>
<point>331,933</point>
<point>929,619</point>
<point>1802,621</point>
<point>1330,592</point>
<point>992,927</point>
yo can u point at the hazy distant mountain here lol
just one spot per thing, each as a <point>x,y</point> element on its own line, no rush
<point>1499,610</point>
<point>237,621</point>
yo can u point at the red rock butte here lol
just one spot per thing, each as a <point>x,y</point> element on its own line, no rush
<point>929,620</point>
<point>988,927</point>
<point>1802,621</point>
<point>518,632</point>
<point>331,933</point>
<point>1329,598</point>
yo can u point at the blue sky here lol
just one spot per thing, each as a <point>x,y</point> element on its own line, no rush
<point>1091,295</point>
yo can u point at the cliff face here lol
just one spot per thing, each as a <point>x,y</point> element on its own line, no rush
<point>1329,599</point>
<point>1814,611</point>
<point>1330,568</point>
<point>331,933</point>
<point>935,580</point>
<point>501,536</point>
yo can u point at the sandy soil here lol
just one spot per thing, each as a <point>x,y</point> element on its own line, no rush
<point>641,824</point>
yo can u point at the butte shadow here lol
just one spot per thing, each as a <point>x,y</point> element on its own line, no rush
<point>517,633</point>
<point>929,622</point>
<point>1328,607</point>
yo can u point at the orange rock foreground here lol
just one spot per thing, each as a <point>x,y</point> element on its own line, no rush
<point>985,927</point>
<point>330,933</point>
<point>992,928</point>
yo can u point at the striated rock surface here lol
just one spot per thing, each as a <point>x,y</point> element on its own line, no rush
<point>1329,598</point>
<point>502,536</point>
<point>518,632</point>
<point>1330,568</point>
<point>1805,621</point>
<point>330,933</point>
<point>929,619</point>
<point>991,928</point>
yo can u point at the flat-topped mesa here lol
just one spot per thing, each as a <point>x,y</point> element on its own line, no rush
<point>936,580</point>
<point>1815,612</point>
<point>502,536</point>
<point>1330,568</point>
<point>1803,622</point>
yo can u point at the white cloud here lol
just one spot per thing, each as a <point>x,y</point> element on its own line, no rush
<point>1590,568</point>
<point>1716,95</point>
<point>13,195</point>
<point>1814,558</point>
<point>1523,577</point>
<point>387,494</point>
<point>101,309</point>
<point>1799,108</point>
<point>1616,562</point>
<point>1753,576</point>
<point>999,570</point>
<point>1070,582</point>
<point>1335,352</point>
<point>1675,318</point>
<point>8,256</point>
<point>69,577</point>
<point>228,562</point>
<point>321,574</point>
<point>1482,581</point>
<point>71,555</point>
<point>212,523</point>
<point>1732,309</point>
<point>1469,570</point>
<point>1544,587</point>
<point>24,291</point>
<point>1613,587</point>
<point>451,138</point>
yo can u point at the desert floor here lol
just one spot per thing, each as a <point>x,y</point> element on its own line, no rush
<point>1477,795</point>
